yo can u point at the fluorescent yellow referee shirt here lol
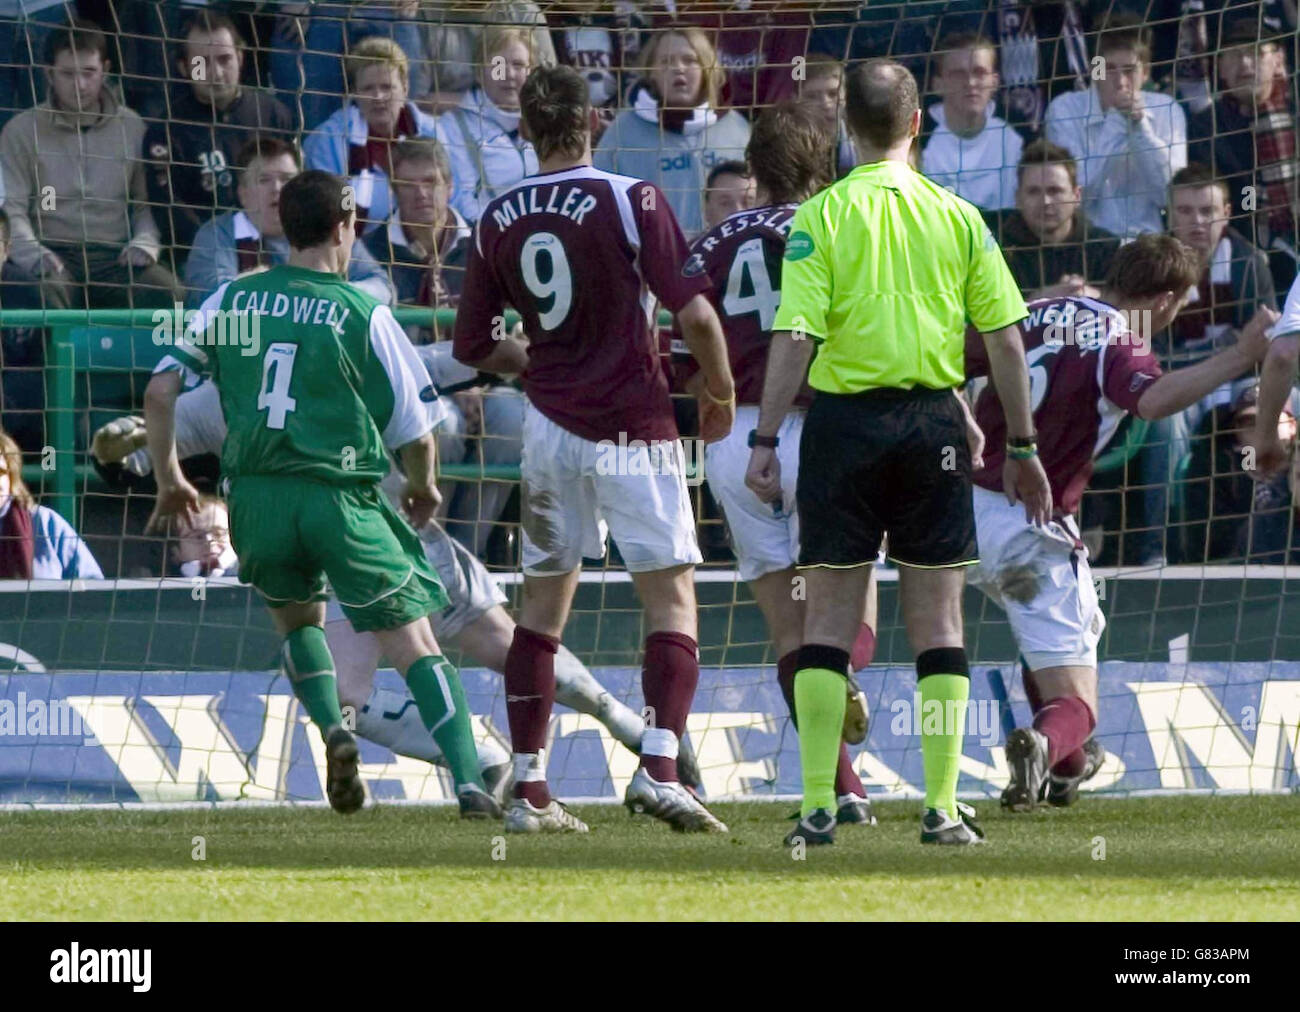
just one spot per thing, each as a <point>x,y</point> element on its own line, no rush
<point>884,270</point>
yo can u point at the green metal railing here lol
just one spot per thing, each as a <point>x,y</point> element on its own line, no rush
<point>107,341</point>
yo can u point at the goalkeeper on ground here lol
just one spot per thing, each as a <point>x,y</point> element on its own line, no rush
<point>316,380</point>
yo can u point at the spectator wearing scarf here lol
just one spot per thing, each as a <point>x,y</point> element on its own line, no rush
<point>252,237</point>
<point>488,153</point>
<point>355,141</point>
<point>1248,137</point>
<point>425,244</point>
<point>35,542</point>
<point>672,135</point>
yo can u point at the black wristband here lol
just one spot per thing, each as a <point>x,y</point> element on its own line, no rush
<point>770,442</point>
<point>1025,441</point>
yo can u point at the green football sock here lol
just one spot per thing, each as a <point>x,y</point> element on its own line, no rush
<point>444,709</point>
<point>943,727</point>
<point>310,668</point>
<point>819,699</point>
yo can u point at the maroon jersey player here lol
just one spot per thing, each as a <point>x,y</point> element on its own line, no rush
<point>1090,364</point>
<point>790,157</point>
<point>583,256</point>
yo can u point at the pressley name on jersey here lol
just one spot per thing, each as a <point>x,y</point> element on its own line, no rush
<point>741,257</point>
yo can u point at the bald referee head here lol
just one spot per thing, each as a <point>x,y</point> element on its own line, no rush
<point>881,107</point>
<point>882,272</point>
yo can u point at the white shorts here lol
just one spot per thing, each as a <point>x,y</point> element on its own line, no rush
<point>765,540</point>
<point>471,591</point>
<point>575,492</point>
<point>1042,580</point>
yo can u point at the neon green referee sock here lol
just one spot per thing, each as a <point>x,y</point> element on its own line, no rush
<point>310,667</point>
<point>943,728</point>
<point>819,700</point>
<point>444,708</point>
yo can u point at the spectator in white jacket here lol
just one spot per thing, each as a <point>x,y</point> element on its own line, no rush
<point>488,153</point>
<point>1128,143</point>
<point>355,141</point>
<point>971,151</point>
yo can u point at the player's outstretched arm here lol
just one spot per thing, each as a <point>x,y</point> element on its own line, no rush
<point>702,332</point>
<point>1023,479</point>
<point>1275,382</point>
<point>1182,388</point>
<point>176,496</point>
<point>787,364</point>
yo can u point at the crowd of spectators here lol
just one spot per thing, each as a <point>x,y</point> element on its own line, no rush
<point>145,143</point>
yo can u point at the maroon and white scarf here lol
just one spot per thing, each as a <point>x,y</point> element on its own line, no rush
<point>17,542</point>
<point>368,154</point>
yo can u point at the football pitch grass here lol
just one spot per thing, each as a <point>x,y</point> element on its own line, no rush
<point>1175,858</point>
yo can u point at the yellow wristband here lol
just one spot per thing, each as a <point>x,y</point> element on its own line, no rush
<point>718,400</point>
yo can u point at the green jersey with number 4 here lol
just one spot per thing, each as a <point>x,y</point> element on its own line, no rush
<point>315,376</point>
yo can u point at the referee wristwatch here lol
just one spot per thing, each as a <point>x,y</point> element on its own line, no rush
<point>770,442</point>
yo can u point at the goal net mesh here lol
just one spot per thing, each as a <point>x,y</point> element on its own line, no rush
<point>158,683</point>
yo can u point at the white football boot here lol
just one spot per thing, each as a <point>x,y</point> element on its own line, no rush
<point>522,817</point>
<point>671,802</point>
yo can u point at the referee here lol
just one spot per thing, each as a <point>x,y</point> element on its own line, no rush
<point>883,271</point>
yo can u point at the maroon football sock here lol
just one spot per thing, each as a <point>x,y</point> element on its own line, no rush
<point>847,780</point>
<point>530,694</point>
<point>668,678</point>
<point>863,649</point>
<point>1072,765</point>
<point>1066,722</point>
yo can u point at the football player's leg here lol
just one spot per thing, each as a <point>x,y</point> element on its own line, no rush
<point>307,661</point>
<point>309,665</point>
<point>1068,715</point>
<point>559,526</point>
<point>386,586</point>
<point>671,667</point>
<point>669,675</point>
<point>386,716</point>
<point>650,517</point>
<point>1057,624</point>
<point>487,640</point>
<point>530,696</point>
<point>443,706</point>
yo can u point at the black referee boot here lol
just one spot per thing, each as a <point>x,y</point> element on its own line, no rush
<point>815,830</point>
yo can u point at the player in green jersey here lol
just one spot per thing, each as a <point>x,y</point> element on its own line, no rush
<point>316,379</point>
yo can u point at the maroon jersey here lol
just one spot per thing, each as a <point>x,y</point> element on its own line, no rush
<point>741,258</point>
<point>1086,372</point>
<point>581,255</point>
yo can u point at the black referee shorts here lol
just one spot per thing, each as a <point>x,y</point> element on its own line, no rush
<point>882,461</point>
